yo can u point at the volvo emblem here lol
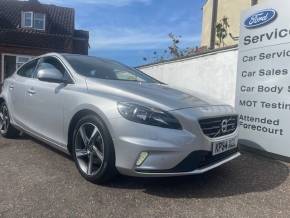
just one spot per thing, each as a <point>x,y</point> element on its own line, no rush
<point>224,126</point>
<point>260,18</point>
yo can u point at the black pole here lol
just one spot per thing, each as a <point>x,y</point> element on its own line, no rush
<point>213,24</point>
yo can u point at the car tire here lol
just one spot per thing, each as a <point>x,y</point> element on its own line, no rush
<point>6,129</point>
<point>94,155</point>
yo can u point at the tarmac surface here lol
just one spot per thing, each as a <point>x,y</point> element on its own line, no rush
<point>38,181</point>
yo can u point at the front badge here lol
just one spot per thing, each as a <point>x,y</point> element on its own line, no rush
<point>260,18</point>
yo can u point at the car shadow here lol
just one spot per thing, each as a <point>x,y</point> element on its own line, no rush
<point>247,174</point>
<point>43,144</point>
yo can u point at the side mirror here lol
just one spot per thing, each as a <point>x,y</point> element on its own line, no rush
<point>50,75</point>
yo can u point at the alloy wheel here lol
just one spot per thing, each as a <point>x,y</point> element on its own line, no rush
<point>89,148</point>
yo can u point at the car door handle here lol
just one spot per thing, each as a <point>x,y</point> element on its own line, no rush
<point>31,91</point>
<point>11,86</point>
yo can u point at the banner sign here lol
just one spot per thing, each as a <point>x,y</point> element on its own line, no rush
<point>263,79</point>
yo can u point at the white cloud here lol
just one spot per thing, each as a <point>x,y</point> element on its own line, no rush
<point>116,3</point>
<point>133,39</point>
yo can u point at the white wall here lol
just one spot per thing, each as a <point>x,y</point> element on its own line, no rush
<point>213,74</point>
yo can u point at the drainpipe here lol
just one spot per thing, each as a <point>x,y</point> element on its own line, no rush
<point>213,23</point>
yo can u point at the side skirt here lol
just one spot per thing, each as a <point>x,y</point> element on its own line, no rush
<point>47,141</point>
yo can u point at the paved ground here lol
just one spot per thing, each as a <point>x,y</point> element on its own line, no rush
<point>36,181</point>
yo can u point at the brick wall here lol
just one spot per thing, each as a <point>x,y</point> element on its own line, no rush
<point>27,50</point>
<point>80,47</point>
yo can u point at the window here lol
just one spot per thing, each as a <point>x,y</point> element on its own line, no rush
<point>124,75</point>
<point>11,63</point>
<point>20,60</point>
<point>106,69</point>
<point>33,20</point>
<point>27,19</point>
<point>39,21</point>
<point>27,70</point>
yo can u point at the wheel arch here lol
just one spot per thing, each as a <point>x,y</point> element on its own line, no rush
<point>76,117</point>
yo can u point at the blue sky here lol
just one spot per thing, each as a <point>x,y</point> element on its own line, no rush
<point>128,30</point>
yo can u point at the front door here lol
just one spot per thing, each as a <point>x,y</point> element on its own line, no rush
<point>45,101</point>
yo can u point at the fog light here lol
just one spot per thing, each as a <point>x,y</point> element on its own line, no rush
<point>142,157</point>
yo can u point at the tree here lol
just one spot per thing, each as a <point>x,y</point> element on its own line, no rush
<point>222,28</point>
<point>174,51</point>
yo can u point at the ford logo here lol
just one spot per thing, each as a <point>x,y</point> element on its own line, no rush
<point>260,18</point>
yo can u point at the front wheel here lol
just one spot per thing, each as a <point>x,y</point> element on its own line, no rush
<point>6,129</point>
<point>93,150</point>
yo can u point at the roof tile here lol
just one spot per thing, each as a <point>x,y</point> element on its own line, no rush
<point>60,20</point>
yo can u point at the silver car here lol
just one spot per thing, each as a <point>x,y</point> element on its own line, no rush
<point>115,119</point>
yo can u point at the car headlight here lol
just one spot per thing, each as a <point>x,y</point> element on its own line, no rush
<point>148,116</point>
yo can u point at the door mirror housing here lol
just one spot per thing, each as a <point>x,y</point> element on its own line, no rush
<point>52,75</point>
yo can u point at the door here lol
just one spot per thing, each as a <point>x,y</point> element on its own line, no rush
<point>9,65</point>
<point>17,86</point>
<point>45,101</point>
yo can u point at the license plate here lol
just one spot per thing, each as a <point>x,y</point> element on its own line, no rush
<point>223,146</point>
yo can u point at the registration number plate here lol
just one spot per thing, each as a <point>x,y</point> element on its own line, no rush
<point>223,146</point>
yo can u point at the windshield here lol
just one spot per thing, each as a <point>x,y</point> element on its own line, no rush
<point>106,69</point>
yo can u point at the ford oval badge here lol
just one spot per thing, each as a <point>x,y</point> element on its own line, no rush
<point>260,18</point>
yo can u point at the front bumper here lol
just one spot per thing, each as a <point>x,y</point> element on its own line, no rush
<point>193,172</point>
<point>171,152</point>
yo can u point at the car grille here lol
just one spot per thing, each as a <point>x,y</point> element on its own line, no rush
<point>219,126</point>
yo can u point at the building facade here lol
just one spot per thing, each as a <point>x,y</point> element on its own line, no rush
<point>213,13</point>
<point>29,28</point>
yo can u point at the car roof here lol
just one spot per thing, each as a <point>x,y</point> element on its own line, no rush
<point>63,55</point>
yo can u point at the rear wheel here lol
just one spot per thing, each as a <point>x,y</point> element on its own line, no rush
<point>93,150</point>
<point>6,129</point>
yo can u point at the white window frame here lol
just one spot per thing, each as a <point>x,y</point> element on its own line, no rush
<point>44,21</point>
<point>23,18</point>
<point>18,62</point>
<point>32,15</point>
<point>17,57</point>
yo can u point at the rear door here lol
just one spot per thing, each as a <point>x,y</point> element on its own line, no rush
<point>17,91</point>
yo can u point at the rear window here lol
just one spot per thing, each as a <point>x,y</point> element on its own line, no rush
<point>106,69</point>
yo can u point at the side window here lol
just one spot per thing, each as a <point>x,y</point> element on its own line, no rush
<point>51,63</point>
<point>27,70</point>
